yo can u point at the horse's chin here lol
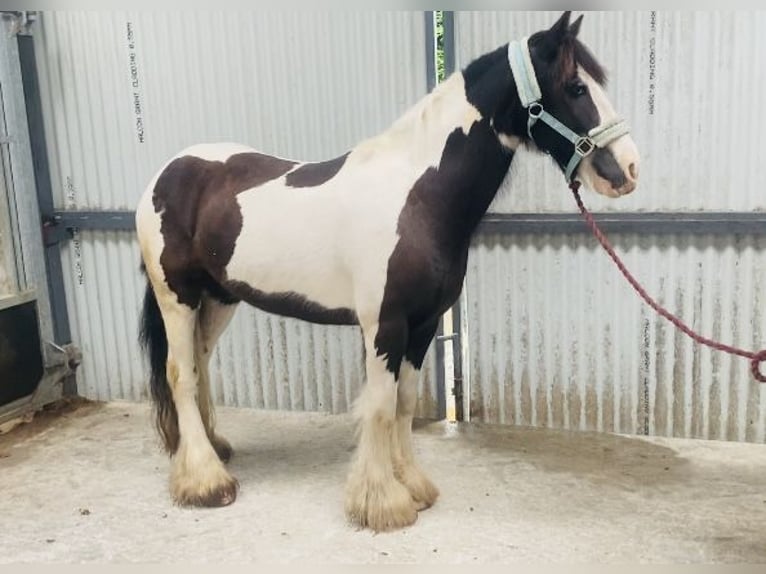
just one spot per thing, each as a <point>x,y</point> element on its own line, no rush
<point>607,191</point>
<point>604,187</point>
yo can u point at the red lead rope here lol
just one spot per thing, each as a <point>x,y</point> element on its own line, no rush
<point>756,358</point>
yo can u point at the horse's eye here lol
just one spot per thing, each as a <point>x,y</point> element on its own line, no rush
<point>576,90</point>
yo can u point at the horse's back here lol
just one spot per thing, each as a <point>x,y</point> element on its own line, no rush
<point>219,151</point>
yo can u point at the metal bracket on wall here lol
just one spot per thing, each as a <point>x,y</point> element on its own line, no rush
<point>654,223</point>
<point>60,226</point>
<point>53,232</point>
<point>69,355</point>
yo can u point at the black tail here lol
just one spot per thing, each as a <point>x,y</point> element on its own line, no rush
<point>155,343</point>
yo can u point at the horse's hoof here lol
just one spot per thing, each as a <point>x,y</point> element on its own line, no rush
<point>205,485</point>
<point>423,492</point>
<point>221,495</point>
<point>222,448</point>
<point>380,506</point>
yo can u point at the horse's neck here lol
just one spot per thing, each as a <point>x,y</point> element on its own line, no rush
<point>472,169</point>
<point>474,162</point>
<point>449,142</point>
<point>456,143</point>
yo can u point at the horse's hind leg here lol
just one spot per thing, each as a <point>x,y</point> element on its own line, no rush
<point>213,318</point>
<point>422,490</point>
<point>198,477</point>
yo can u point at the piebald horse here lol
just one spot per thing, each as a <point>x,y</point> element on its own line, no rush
<point>377,237</point>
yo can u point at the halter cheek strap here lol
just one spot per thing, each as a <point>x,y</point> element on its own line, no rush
<point>530,95</point>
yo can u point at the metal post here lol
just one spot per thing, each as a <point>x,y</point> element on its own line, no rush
<point>448,21</point>
<point>430,17</point>
<point>441,393</point>
<point>61,331</point>
<point>54,272</point>
<point>449,43</point>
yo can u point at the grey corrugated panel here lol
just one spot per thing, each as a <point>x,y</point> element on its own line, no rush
<point>559,339</point>
<point>699,138</point>
<point>302,85</point>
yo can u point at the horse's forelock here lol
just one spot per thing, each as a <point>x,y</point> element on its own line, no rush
<point>582,56</point>
<point>571,54</point>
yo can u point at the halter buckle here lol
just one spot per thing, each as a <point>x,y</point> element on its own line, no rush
<point>584,146</point>
<point>535,110</point>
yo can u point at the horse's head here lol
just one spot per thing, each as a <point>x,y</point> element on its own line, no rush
<point>569,88</point>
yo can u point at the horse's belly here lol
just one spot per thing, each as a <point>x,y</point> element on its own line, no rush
<point>278,267</point>
<point>281,252</point>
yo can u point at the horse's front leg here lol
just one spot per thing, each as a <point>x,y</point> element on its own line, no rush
<point>420,487</point>
<point>374,497</point>
<point>422,490</point>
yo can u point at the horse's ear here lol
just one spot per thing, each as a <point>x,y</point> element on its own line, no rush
<point>549,42</point>
<point>560,28</point>
<point>574,29</point>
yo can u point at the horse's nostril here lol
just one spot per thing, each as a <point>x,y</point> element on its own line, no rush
<point>633,170</point>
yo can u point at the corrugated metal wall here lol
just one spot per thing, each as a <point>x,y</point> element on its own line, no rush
<point>123,92</point>
<point>556,336</point>
<point>559,339</point>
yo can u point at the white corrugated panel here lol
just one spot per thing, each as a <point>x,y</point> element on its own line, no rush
<point>301,85</point>
<point>690,84</point>
<point>559,339</point>
<point>124,91</point>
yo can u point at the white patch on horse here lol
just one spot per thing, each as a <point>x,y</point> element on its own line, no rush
<point>508,141</point>
<point>148,229</point>
<point>623,148</point>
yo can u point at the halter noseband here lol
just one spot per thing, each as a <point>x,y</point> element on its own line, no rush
<point>530,96</point>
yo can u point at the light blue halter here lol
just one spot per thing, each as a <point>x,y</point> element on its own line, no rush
<point>530,96</point>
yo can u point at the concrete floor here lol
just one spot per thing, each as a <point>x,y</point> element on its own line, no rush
<point>90,484</point>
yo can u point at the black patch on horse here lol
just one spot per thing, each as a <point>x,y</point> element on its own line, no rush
<point>201,220</point>
<point>488,82</point>
<point>426,269</point>
<point>314,174</point>
<point>290,304</point>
